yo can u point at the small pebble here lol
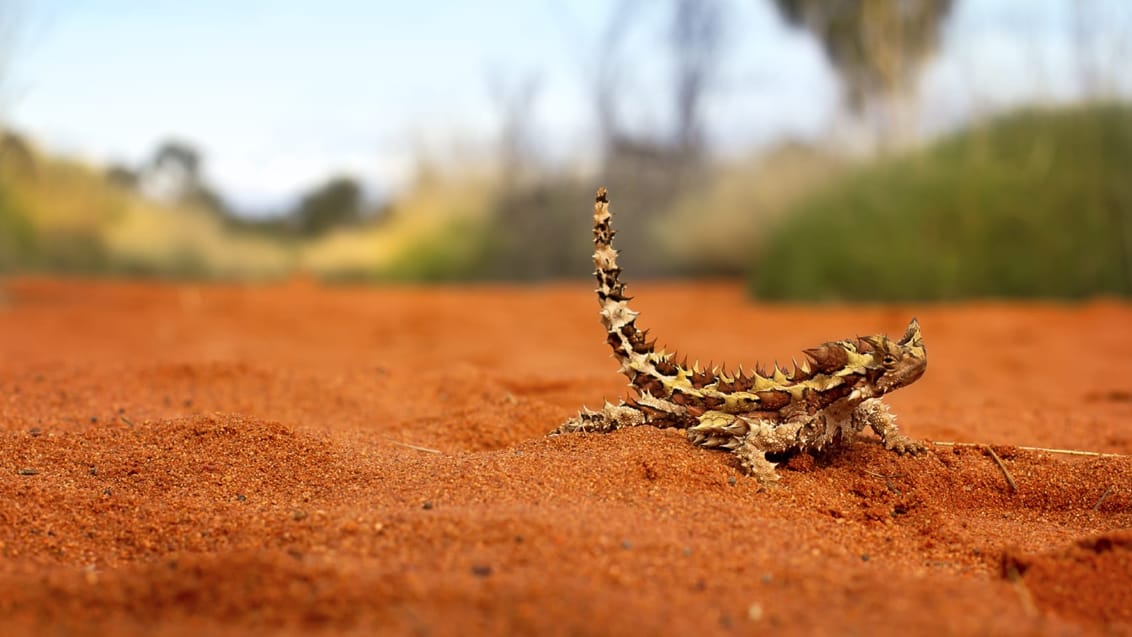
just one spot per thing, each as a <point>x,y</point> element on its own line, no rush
<point>755,612</point>
<point>481,570</point>
<point>426,505</point>
<point>731,480</point>
<point>28,471</point>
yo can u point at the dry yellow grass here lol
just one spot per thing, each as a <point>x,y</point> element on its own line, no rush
<point>125,231</point>
<point>187,241</point>
<point>421,216</point>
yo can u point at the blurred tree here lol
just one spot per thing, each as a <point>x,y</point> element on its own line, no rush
<point>646,167</point>
<point>1101,38</point>
<point>175,167</point>
<point>694,34</point>
<point>697,26</point>
<point>175,173</point>
<point>878,47</point>
<point>606,68</point>
<point>527,208</point>
<point>515,100</point>
<point>16,156</point>
<point>122,176</point>
<point>336,203</point>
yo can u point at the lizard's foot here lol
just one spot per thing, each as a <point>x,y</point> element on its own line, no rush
<point>610,417</point>
<point>902,445</point>
<point>876,415</point>
<point>752,459</point>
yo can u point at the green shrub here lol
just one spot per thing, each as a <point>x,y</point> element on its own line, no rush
<point>1034,204</point>
<point>17,235</point>
<point>456,252</point>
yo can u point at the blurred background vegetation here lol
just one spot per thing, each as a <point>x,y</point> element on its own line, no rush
<point>1033,201</point>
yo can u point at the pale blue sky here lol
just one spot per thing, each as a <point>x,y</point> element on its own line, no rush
<point>280,94</point>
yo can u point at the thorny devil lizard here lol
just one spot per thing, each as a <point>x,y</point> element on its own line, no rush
<point>823,402</point>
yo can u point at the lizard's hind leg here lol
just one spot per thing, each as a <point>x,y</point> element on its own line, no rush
<point>610,417</point>
<point>719,430</point>
<point>750,439</point>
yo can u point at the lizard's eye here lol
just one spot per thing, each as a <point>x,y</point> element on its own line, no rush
<point>889,360</point>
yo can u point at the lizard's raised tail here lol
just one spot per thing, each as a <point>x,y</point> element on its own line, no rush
<point>629,344</point>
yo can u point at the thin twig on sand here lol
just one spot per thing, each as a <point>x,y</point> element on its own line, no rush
<point>881,475</point>
<point>1100,501</point>
<point>1067,452</point>
<point>1002,466</point>
<point>414,447</point>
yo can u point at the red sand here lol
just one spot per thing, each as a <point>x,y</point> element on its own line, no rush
<point>181,459</point>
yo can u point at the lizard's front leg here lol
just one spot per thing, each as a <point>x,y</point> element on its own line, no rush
<point>610,417</point>
<point>876,415</point>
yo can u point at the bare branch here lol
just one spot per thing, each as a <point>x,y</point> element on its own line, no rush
<point>697,27</point>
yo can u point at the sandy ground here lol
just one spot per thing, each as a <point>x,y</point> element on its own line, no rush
<point>184,459</point>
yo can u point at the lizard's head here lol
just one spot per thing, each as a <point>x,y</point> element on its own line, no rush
<point>874,365</point>
<point>894,364</point>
